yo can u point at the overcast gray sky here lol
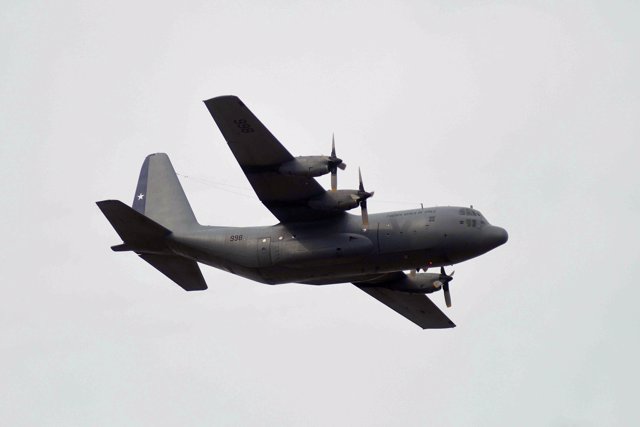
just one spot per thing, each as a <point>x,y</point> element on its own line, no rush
<point>527,110</point>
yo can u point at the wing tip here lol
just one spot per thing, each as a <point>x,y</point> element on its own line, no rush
<point>451,325</point>
<point>200,289</point>
<point>221,98</point>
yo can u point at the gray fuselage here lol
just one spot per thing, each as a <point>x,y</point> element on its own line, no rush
<point>338,250</point>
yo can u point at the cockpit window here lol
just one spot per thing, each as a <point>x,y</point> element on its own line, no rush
<point>470,212</point>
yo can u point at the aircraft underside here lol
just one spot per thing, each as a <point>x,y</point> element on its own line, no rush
<point>316,242</point>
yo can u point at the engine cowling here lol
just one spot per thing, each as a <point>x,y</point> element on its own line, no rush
<point>339,200</point>
<point>421,283</point>
<point>310,166</point>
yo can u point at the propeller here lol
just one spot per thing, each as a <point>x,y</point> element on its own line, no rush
<point>334,164</point>
<point>361,198</point>
<point>445,279</point>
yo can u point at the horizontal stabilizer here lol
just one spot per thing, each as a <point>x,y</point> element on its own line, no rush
<point>416,307</point>
<point>135,229</point>
<point>185,272</point>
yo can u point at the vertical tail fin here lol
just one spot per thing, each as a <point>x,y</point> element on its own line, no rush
<point>160,196</point>
<point>160,207</point>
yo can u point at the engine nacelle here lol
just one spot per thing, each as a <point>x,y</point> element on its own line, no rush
<point>421,283</point>
<point>310,166</point>
<point>339,200</point>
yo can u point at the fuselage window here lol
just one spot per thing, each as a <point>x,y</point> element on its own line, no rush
<point>432,219</point>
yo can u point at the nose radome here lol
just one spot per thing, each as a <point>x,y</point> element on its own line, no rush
<point>503,236</point>
<point>498,236</point>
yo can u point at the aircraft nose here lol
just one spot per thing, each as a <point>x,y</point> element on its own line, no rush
<point>497,236</point>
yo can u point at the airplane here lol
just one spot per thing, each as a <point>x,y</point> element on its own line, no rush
<point>316,242</point>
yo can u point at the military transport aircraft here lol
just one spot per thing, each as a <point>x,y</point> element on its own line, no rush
<point>316,241</point>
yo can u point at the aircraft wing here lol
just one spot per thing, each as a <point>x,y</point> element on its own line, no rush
<point>260,155</point>
<point>416,307</point>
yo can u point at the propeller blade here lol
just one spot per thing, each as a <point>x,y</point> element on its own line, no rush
<point>333,145</point>
<point>334,164</point>
<point>447,294</point>
<point>365,214</point>
<point>362,197</point>
<point>445,279</point>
